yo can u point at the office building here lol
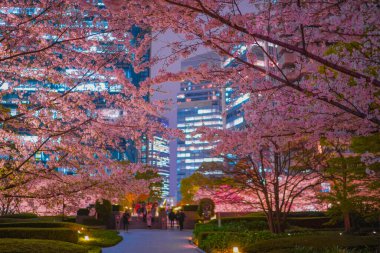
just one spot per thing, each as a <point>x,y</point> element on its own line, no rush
<point>199,104</point>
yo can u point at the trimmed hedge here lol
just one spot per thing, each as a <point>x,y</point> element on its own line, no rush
<point>91,221</point>
<point>40,225</point>
<point>314,241</point>
<point>222,241</point>
<point>306,222</point>
<point>312,222</point>
<point>192,208</point>
<point>39,246</point>
<point>60,234</point>
<point>20,216</point>
<point>307,214</point>
<point>83,212</point>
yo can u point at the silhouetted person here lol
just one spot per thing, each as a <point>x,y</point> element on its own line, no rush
<point>126,217</point>
<point>181,219</point>
<point>171,217</point>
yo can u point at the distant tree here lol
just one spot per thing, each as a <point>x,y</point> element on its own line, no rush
<point>207,176</point>
<point>155,183</point>
<point>355,185</point>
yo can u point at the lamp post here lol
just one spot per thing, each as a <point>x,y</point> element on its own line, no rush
<point>235,250</point>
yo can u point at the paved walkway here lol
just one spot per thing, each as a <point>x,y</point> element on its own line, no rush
<point>153,241</point>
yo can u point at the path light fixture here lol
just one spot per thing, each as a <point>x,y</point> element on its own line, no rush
<point>86,238</point>
<point>235,250</point>
<point>79,232</point>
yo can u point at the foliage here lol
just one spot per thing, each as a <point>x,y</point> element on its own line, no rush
<point>103,210</point>
<point>314,241</point>
<point>328,250</point>
<point>116,208</point>
<point>235,226</point>
<point>41,224</point>
<point>100,238</point>
<point>60,234</point>
<point>354,189</point>
<point>91,221</point>
<point>190,185</point>
<point>206,208</point>
<point>156,184</point>
<point>190,208</point>
<point>20,216</point>
<point>224,241</point>
<point>83,212</point>
<point>39,246</point>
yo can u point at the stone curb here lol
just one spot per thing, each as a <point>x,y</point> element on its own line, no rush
<point>196,247</point>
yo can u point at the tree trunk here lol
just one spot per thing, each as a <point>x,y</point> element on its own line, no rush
<point>347,222</point>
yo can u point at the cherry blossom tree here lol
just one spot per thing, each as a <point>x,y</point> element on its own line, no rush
<point>311,67</point>
<point>66,95</point>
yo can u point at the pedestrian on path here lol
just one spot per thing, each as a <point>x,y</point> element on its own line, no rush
<point>149,220</point>
<point>181,219</point>
<point>126,217</point>
<point>117,221</point>
<point>171,217</point>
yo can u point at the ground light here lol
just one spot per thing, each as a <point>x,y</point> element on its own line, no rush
<point>235,250</point>
<point>86,238</point>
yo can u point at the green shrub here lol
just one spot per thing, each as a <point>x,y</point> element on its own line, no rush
<point>20,216</point>
<point>60,234</point>
<point>192,208</point>
<point>240,219</point>
<point>328,250</point>
<point>224,241</point>
<point>104,210</point>
<point>237,226</point>
<point>116,208</point>
<point>39,246</point>
<point>317,242</point>
<point>311,222</point>
<point>91,221</point>
<point>70,219</point>
<point>42,224</point>
<point>307,214</point>
<point>206,204</point>
<point>83,212</point>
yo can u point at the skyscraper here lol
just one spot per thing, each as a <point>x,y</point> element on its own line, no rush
<point>199,104</point>
<point>155,153</point>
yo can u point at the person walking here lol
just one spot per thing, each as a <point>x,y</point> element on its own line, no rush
<point>171,217</point>
<point>117,221</point>
<point>181,219</point>
<point>149,220</point>
<point>126,217</point>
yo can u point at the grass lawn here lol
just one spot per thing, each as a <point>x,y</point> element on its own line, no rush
<point>100,237</point>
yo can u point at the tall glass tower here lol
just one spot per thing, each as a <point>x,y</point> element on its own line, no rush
<point>199,104</point>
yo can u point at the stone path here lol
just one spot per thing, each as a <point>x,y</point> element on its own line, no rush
<point>153,241</point>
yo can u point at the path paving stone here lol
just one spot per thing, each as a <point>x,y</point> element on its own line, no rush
<point>153,241</point>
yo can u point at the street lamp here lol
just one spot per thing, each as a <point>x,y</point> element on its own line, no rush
<point>235,250</point>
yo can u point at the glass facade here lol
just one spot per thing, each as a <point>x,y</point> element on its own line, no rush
<point>199,104</point>
<point>156,154</point>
